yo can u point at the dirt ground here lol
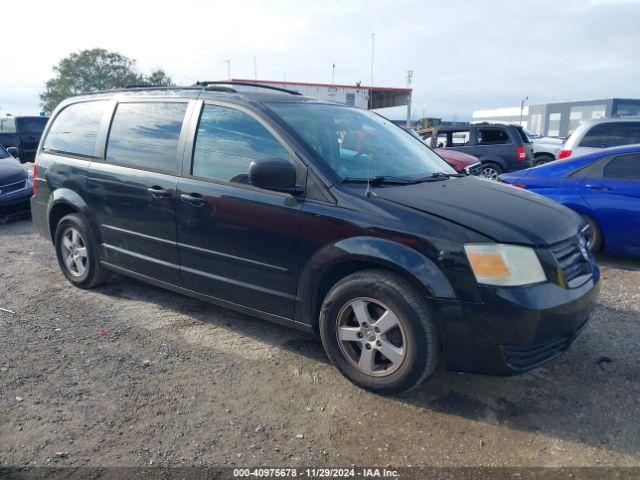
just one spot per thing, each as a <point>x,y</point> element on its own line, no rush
<point>128,374</point>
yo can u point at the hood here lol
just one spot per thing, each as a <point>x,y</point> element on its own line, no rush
<point>11,171</point>
<point>505,214</point>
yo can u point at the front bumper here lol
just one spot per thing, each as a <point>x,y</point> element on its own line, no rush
<point>514,329</point>
<point>15,205</point>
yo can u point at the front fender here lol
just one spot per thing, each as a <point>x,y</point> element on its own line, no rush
<point>414,266</point>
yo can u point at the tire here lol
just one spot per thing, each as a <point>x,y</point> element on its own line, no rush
<point>491,170</point>
<point>542,159</point>
<point>412,345</point>
<point>595,242</point>
<point>85,271</point>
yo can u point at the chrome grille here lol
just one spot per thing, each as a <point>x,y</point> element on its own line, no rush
<point>571,258</point>
<point>12,187</point>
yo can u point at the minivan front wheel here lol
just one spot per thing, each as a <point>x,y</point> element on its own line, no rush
<point>77,252</point>
<point>377,331</point>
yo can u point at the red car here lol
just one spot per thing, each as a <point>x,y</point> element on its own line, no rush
<point>461,162</point>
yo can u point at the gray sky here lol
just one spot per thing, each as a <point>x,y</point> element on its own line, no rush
<point>466,55</point>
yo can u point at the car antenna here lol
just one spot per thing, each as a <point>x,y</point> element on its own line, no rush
<point>368,192</point>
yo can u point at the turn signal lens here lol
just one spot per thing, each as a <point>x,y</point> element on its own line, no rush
<point>505,265</point>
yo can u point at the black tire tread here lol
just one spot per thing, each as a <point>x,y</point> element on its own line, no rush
<point>97,273</point>
<point>412,297</point>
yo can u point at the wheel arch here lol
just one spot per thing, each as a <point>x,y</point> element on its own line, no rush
<point>338,260</point>
<point>63,202</point>
<point>502,163</point>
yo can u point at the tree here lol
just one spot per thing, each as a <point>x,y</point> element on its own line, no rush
<point>158,77</point>
<point>92,70</point>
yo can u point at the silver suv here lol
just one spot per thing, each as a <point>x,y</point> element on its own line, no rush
<point>601,133</point>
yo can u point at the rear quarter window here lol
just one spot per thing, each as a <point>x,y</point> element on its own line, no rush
<point>75,129</point>
<point>612,134</point>
<point>492,136</point>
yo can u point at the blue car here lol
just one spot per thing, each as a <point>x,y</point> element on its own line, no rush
<point>602,186</point>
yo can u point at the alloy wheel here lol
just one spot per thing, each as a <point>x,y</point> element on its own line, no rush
<point>74,252</point>
<point>371,336</point>
<point>490,173</point>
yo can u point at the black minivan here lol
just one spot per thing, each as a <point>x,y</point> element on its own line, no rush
<point>249,198</point>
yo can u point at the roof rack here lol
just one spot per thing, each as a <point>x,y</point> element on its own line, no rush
<point>210,84</point>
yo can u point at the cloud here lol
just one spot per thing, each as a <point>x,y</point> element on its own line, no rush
<point>465,55</point>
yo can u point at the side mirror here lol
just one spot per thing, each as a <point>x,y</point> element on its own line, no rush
<point>275,174</point>
<point>13,151</point>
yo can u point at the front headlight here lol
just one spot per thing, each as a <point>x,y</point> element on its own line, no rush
<point>504,265</point>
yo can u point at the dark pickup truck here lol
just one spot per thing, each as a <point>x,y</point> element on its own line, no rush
<point>22,133</point>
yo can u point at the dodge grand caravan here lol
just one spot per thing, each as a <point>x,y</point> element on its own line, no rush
<point>249,198</point>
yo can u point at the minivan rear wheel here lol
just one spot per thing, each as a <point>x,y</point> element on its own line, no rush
<point>491,170</point>
<point>377,330</point>
<point>77,252</point>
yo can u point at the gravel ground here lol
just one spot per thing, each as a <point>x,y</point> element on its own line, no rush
<point>128,374</point>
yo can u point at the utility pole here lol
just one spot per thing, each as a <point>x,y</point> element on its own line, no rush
<point>373,49</point>
<point>409,78</point>
<point>333,73</point>
<point>228,62</point>
<point>522,108</point>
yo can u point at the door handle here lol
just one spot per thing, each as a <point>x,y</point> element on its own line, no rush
<point>597,186</point>
<point>158,192</point>
<point>195,199</point>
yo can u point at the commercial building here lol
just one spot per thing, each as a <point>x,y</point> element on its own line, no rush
<point>361,96</point>
<point>561,118</point>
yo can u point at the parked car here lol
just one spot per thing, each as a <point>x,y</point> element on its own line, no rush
<point>545,149</point>
<point>317,216</point>
<point>601,133</point>
<point>500,148</point>
<point>602,186</point>
<point>461,162</point>
<point>15,186</point>
<point>22,133</point>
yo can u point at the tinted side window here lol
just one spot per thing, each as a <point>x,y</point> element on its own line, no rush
<point>492,136</point>
<point>75,129</point>
<point>145,135</point>
<point>612,134</point>
<point>623,167</point>
<point>32,126</point>
<point>227,141</point>
<point>453,139</point>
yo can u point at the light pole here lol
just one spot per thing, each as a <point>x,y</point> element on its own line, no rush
<point>409,79</point>
<point>522,108</point>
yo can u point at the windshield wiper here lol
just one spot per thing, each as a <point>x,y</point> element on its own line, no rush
<point>447,175</point>
<point>434,177</point>
<point>388,179</point>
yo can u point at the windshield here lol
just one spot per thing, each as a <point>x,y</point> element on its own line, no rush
<point>358,144</point>
<point>529,133</point>
<point>3,153</point>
